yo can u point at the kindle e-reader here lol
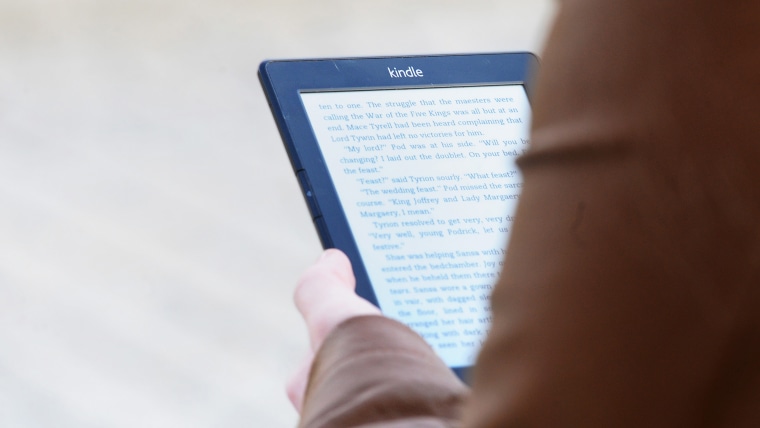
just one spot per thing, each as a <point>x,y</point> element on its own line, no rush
<point>407,164</point>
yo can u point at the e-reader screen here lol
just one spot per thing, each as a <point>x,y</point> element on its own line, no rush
<point>427,180</point>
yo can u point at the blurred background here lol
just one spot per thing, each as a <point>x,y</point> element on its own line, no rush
<point>151,228</point>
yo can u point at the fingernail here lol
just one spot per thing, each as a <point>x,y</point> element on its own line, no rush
<point>326,254</point>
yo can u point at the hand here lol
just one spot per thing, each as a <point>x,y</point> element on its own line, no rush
<point>325,297</point>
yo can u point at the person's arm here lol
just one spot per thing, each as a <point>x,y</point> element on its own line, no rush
<point>629,293</point>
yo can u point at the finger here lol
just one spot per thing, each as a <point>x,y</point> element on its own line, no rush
<point>325,296</point>
<point>331,270</point>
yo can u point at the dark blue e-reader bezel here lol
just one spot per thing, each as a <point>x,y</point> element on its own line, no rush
<point>284,80</point>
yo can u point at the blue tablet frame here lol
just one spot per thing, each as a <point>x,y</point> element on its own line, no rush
<point>284,80</point>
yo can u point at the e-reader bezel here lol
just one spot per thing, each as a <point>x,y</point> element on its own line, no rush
<point>284,80</point>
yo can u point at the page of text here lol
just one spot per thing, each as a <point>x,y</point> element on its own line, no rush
<point>428,182</point>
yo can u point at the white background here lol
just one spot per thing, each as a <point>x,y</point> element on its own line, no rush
<point>151,229</point>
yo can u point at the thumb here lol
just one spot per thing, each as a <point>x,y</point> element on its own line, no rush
<point>325,296</point>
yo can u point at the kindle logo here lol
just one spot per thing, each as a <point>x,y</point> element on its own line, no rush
<point>408,72</point>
